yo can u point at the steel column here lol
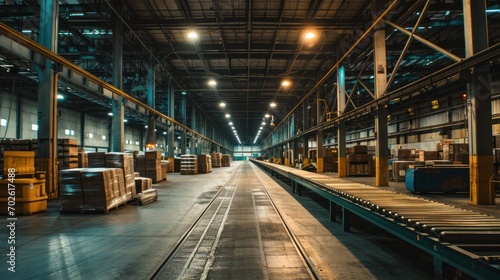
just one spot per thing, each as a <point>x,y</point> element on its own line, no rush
<point>380,80</point>
<point>479,105</point>
<point>117,125</point>
<point>341,132</point>
<point>47,98</point>
<point>150,132</point>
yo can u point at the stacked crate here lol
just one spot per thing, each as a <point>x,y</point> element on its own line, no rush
<point>70,190</point>
<point>204,163</point>
<point>165,165</point>
<point>427,155</point>
<point>226,160</point>
<point>83,159</point>
<point>67,153</point>
<point>456,152</point>
<point>330,161</point>
<point>189,165</point>
<point>98,193</point>
<point>149,165</point>
<point>359,162</point>
<point>143,184</point>
<point>125,161</point>
<point>96,159</point>
<point>153,165</point>
<point>216,159</point>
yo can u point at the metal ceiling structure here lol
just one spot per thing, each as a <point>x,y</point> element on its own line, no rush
<point>248,47</point>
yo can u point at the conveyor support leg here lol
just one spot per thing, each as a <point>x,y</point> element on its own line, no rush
<point>438,267</point>
<point>333,211</point>
<point>346,220</point>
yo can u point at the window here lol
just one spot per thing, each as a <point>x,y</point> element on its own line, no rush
<point>34,126</point>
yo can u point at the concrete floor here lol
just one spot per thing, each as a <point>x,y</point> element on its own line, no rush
<point>130,243</point>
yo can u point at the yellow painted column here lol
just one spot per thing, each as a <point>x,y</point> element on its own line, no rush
<point>479,106</point>
<point>319,165</point>
<point>342,162</point>
<point>480,171</point>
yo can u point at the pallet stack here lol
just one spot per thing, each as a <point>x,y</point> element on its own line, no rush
<point>204,163</point>
<point>88,190</point>
<point>149,165</point>
<point>216,159</point>
<point>226,160</point>
<point>330,161</point>
<point>143,184</point>
<point>83,159</point>
<point>165,165</point>
<point>189,165</point>
<point>359,162</point>
<point>125,161</point>
<point>97,159</point>
<point>67,153</point>
<point>71,190</point>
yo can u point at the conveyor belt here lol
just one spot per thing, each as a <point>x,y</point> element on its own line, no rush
<point>464,239</point>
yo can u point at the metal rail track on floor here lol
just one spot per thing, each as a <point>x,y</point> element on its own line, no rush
<point>466,240</point>
<point>241,219</point>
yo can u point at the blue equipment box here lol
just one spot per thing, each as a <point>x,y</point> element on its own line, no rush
<point>445,179</point>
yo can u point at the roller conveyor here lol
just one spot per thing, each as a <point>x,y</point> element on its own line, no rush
<point>434,227</point>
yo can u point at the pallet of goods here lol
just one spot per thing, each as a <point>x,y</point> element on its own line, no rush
<point>204,163</point>
<point>124,161</point>
<point>189,165</point>
<point>226,160</point>
<point>102,189</point>
<point>216,159</point>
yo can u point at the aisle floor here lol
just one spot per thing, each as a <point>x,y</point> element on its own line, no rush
<point>131,242</point>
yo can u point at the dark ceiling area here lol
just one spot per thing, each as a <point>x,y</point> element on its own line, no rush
<point>249,48</point>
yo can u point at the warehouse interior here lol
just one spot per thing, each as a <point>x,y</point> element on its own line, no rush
<point>401,95</point>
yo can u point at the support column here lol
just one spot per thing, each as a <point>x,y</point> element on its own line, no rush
<point>341,143</point>
<point>19,117</point>
<point>380,79</point>
<point>320,153</point>
<point>82,130</point>
<point>117,125</point>
<point>171,127</point>
<point>47,98</point>
<point>193,148</point>
<point>479,106</point>
<point>150,132</point>
<point>182,141</point>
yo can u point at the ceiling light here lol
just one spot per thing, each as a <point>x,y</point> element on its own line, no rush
<point>212,83</point>
<point>263,123</point>
<point>192,35</point>
<point>227,116</point>
<point>232,128</point>
<point>310,35</point>
<point>285,83</point>
<point>260,127</point>
<point>222,105</point>
<point>273,105</point>
<point>230,123</point>
<point>164,132</point>
<point>125,120</point>
<point>183,93</point>
<point>267,116</point>
<point>60,96</point>
<point>110,114</point>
